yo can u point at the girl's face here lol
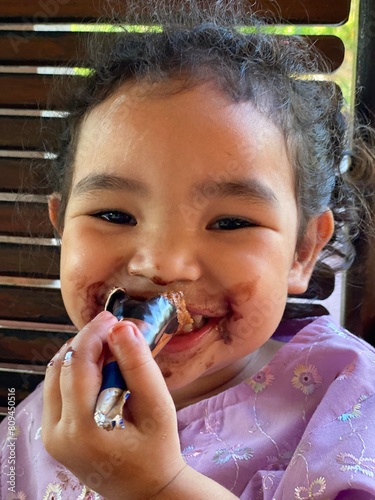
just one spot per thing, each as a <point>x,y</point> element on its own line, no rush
<point>185,191</point>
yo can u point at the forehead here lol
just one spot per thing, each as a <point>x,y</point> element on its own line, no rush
<point>198,128</point>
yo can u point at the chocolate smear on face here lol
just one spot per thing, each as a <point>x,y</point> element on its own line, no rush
<point>167,373</point>
<point>224,334</point>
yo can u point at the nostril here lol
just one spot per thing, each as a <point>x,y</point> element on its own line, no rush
<point>162,270</point>
<point>159,281</point>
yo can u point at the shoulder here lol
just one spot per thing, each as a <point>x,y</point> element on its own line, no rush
<point>327,329</point>
<point>336,351</point>
<point>339,366</point>
<point>340,369</point>
<point>336,455</point>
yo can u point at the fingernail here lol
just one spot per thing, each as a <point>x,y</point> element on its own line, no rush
<point>68,342</point>
<point>58,354</point>
<point>119,330</point>
<point>68,356</point>
<point>53,360</point>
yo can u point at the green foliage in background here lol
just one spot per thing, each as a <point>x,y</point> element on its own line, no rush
<point>348,32</point>
<point>344,76</point>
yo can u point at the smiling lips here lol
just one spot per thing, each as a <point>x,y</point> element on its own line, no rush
<point>193,325</point>
<point>190,319</point>
<point>185,341</point>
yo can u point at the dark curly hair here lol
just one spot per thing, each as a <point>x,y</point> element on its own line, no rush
<point>270,71</point>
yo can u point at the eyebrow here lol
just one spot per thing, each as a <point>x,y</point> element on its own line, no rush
<point>246,189</point>
<point>100,182</point>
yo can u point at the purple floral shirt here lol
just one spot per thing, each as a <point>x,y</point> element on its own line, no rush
<point>303,427</point>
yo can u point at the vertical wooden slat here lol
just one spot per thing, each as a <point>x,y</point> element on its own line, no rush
<point>360,293</point>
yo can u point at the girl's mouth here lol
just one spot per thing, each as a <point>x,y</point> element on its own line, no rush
<point>194,324</point>
<point>198,322</point>
<point>192,334</point>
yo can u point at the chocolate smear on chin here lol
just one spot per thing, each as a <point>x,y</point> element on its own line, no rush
<point>224,335</point>
<point>167,374</point>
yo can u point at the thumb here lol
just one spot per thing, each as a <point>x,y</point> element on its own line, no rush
<point>141,373</point>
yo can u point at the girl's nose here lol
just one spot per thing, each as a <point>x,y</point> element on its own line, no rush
<point>165,264</point>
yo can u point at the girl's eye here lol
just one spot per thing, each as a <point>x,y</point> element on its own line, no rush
<point>116,217</point>
<point>231,223</point>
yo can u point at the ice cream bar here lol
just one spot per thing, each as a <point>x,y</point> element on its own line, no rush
<point>158,318</point>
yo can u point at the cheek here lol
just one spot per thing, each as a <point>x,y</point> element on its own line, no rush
<point>83,302</point>
<point>256,310</point>
<point>87,276</point>
<point>93,255</point>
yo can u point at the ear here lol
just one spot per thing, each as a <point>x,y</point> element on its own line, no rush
<point>54,204</point>
<point>318,233</point>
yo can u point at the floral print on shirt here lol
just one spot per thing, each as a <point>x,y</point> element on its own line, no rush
<point>300,428</point>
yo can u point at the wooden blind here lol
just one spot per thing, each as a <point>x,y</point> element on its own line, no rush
<point>293,11</point>
<point>35,42</point>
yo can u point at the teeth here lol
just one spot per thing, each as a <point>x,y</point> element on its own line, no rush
<point>198,321</point>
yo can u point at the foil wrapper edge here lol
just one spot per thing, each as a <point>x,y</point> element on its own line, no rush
<point>109,407</point>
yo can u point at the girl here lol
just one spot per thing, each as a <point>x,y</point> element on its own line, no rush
<point>196,160</point>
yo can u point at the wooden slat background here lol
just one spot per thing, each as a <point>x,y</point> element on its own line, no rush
<point>33,133</point>
<point>41,345</point>
<point>33,322</point>
<point>27,91</point>
<point>294,11</point>
<point>59,48</point>
<point>43,305</point>
<point>31,261</point>
<point>23,174</point>
<point>25,219</point>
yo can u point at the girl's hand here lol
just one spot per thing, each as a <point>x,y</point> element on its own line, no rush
<point>138,462</point>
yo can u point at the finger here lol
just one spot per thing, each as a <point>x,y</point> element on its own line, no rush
<point>52,403</point>
<point>80,377</point>
<point>142,375</point>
